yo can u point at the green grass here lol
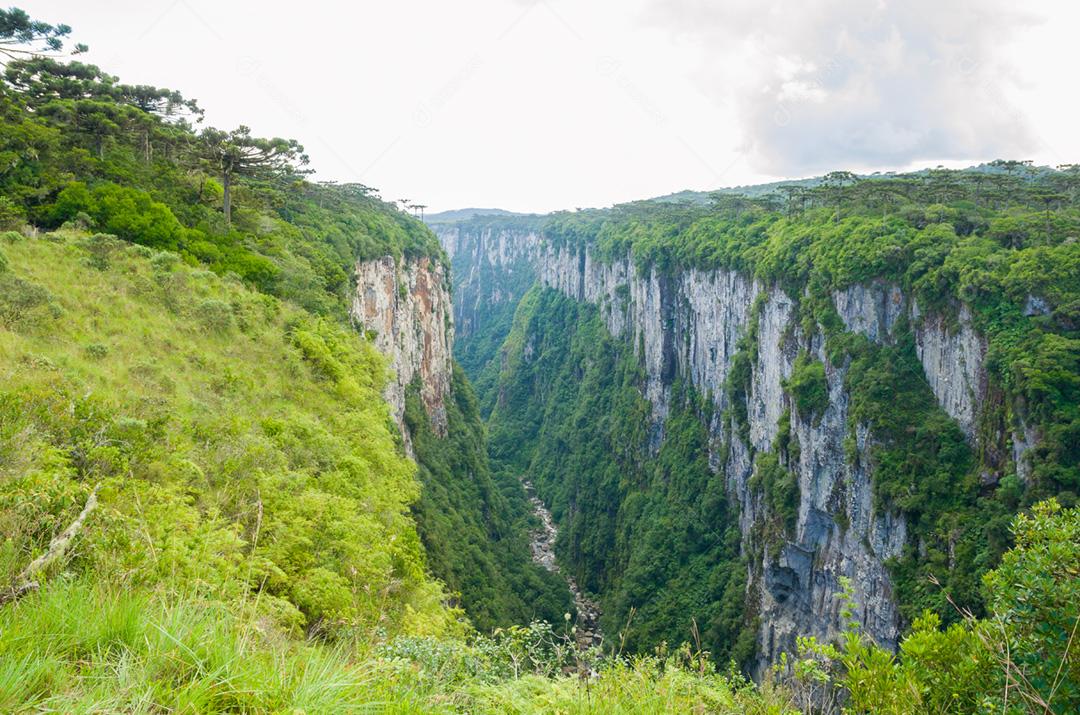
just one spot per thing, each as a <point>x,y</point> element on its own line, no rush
<point>242,445</point>
<point>81,648</point>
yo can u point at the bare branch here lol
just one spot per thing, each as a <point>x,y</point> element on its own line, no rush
<point>57,548</point>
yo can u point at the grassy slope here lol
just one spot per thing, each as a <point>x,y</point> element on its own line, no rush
<point>289,238</point>
<point>216,418</point>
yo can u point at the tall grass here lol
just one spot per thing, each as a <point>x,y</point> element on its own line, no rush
<point>78,647</point>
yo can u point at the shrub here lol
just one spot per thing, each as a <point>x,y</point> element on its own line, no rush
<point>23,302</point>
<point>1034,596</point>
<point>322,595</point>
<point>126,212</point>
<point>164,262</point>
<point>809,386</point>
<point>11,215</point>
<point>215,315</point>
<point>101,247</point>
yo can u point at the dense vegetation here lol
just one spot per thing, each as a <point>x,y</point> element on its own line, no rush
<point>651,535</point>
<point>239,445</point>
<point>1001,240</point>
<point>474,523</point>
<point>87,152</point>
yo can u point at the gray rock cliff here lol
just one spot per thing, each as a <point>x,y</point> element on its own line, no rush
<point>689,325</point>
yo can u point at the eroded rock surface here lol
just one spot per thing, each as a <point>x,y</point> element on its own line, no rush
<point>405,308</point>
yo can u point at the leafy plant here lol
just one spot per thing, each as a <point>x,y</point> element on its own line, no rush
<point>808,386</point>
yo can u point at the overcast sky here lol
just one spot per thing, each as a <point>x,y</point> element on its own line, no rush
<point>542,105</point>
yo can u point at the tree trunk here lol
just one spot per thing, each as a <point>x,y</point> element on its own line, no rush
<point>228,201</point>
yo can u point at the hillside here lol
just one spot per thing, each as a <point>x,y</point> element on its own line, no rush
<point>90,153</point>
<point>238,443</point>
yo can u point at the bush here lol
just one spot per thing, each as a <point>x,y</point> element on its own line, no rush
<point>101,247</point>
<point>11,215</point>
<point>1034,596</point>
<point>164,262</point>
<point>216,315</point>
<point>22,303</point>
<point>126,212</point>
<point>809,386</point>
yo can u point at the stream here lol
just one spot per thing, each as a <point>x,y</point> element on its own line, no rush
<point>542,545</point>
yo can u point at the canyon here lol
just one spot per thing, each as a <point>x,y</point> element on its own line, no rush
<point>688,325</point>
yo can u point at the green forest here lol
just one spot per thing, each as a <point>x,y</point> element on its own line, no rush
<point>207,507</point>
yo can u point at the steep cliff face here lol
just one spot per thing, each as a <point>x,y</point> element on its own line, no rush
<point>952,352</point>
<point>466,515</point>
<point>492,268</point>
<point>689,325</point>
<point>405,307</point>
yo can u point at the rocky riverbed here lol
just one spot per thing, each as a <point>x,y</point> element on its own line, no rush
<point>542,545</point>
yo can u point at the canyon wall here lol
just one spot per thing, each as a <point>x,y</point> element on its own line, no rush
<point>404,307</point>
<point>689,325</point>
<point>492,269</point>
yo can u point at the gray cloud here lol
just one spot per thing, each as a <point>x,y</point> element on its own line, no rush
<point>827,84</point>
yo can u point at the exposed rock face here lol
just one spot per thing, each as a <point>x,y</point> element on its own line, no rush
<point>953,355</point>
<point>953,361</point>
<point>870,309</point>
<point>406,306</point>
<point>951,351</point>
<point>689,325</point>
<point>492,268</point>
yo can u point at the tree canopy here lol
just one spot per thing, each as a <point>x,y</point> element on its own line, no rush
<point>21,35</point>
<point>238,153</point>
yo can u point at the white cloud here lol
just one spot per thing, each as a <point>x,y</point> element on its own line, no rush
<point>854,83</point>
<point>538,106</point>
